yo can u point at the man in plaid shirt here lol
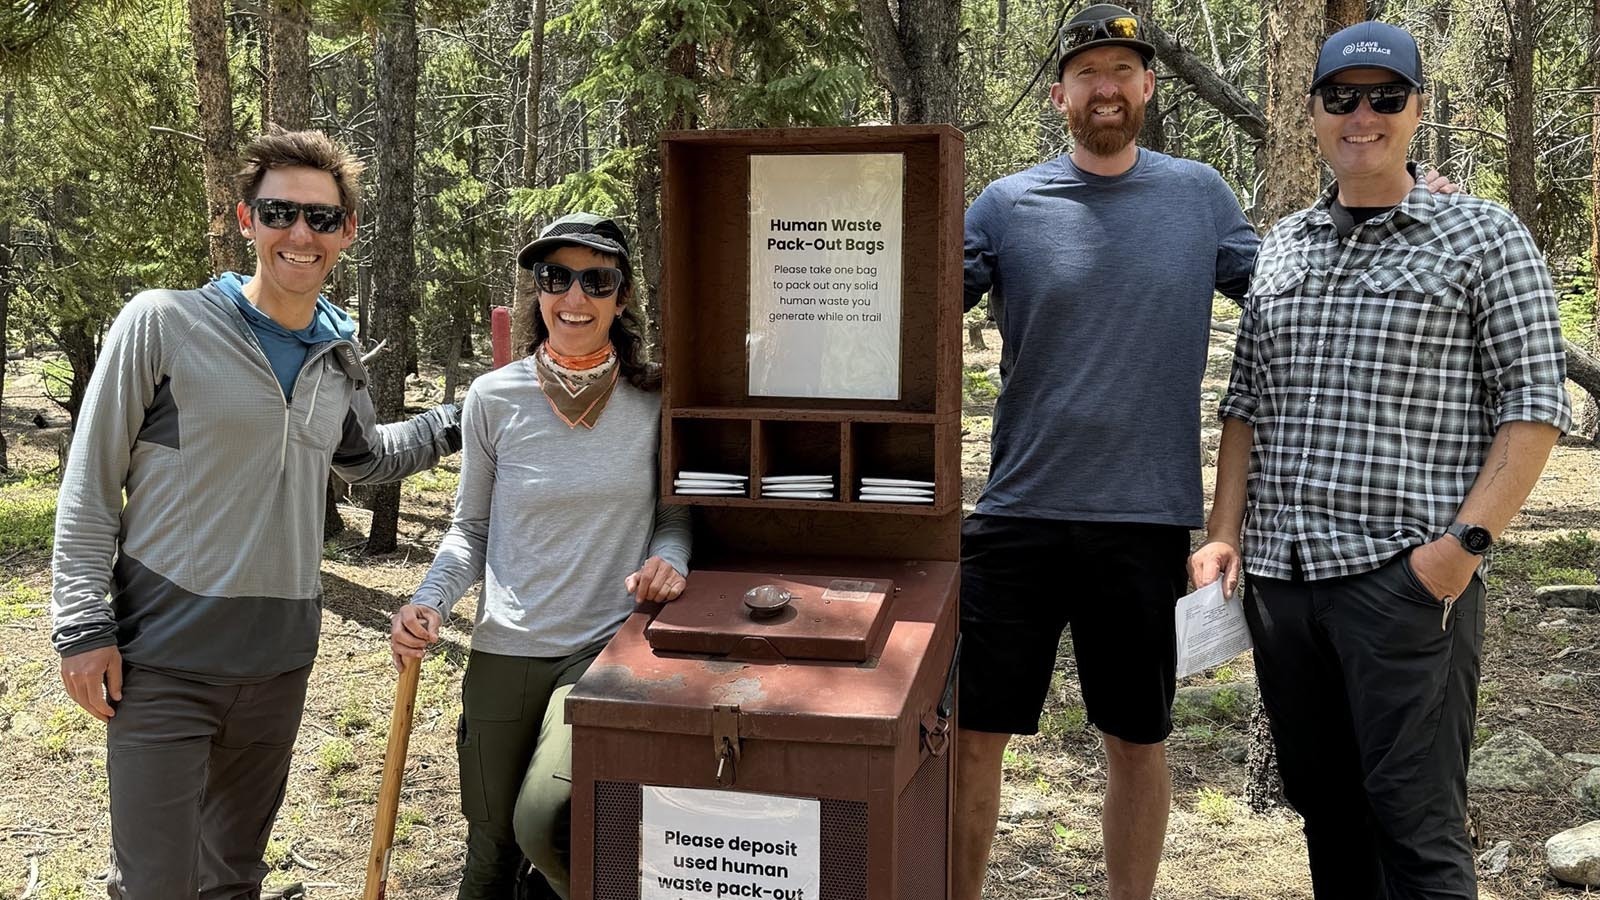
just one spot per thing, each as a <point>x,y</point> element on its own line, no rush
<point>1396,390</point>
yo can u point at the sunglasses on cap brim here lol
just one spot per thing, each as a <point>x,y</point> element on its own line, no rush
<point>323,218</point>
<point>1112,27</point>
<point>598,282</point>
<point>1387,99</point>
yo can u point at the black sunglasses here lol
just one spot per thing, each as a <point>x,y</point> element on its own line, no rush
<point>323,218</point>
<point>598,282</point>
<point>1342,99</point>
<point>1077,34</point>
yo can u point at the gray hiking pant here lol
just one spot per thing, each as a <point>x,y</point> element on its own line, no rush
<point>197,773</point>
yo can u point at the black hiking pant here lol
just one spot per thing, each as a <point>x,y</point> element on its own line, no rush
<point>1371,691</point>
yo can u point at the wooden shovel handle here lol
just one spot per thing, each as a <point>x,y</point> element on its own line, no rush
<point>394,767</point>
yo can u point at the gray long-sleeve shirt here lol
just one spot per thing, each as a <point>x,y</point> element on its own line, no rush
<point>552,518</point>
<point>194,493</point>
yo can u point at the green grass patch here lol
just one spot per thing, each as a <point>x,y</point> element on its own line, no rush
<point>440,684</point>
<point>434,480</point>
<point>1216,807</point>
<point>27,515</point>
<point>1563,575</point>
<point>353,714</point>
<point>978,387</point>
<point>336,756</point>
<point>62,730</point>
<point>1064,723</point>
<point>1558,560</point>
<point>1488,692</point>
<point>20,601</point>
<point>406,823</point>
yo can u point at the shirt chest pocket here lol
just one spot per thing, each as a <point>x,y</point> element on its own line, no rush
<point>321,400</point>
<point>1411,315</point>
<point>1279,299</point>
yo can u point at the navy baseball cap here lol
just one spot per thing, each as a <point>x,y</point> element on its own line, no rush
<point>1369,45</point>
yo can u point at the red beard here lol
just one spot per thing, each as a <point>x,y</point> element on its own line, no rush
<point>1105,140</point>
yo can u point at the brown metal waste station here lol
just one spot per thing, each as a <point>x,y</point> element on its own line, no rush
<point>785,729</point>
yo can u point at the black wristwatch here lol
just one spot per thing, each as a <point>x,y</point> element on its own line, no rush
<point>1475,539</point>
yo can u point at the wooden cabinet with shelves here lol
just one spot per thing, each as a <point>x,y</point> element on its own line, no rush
<point>712,423</point>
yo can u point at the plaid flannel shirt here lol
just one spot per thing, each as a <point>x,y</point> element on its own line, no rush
<point>1376,369</point>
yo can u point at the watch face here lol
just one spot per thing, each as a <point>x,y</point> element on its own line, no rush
<point>1476,539</point>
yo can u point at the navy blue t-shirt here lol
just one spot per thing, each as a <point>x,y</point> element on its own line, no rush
<point>1102,289</point>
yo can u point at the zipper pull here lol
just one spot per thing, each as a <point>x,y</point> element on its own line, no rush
<point>1444,620</point>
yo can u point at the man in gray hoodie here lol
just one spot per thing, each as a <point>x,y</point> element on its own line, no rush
<point>193,499</point>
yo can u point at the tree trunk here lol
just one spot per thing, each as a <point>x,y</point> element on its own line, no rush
<point>208,28</point>
<point>1443,143</point>
<point>1290,182</point>
<point>452,360</point>
<point>1002,24</point>
<point>1263,789</point>
<point>1152,135</point>
<point>1290,175</point>
<point>975,336</point>
<point>522,292</point>
<point>1521,144</point>
<point>1342,14</point>
<point>914,53</point>
<point>289,69</point>
<point>1594,184</point>
<point>394,257</point>
<point>7,276</point>
<point>647,215</point>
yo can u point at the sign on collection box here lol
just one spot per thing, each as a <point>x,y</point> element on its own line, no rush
<point>825,272</point>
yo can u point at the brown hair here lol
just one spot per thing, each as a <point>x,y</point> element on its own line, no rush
<point>279,149</point>
<point>627,336</point>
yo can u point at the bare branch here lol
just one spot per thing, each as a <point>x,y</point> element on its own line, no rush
<point>368,356</point>
<point>173,131</point>
<point>1208,84</point>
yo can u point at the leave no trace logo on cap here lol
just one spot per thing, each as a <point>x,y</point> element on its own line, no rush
<point>1366,47</point>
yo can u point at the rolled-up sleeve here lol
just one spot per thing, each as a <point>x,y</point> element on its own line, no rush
<point>1518,329</point>
<point>1244,393</point>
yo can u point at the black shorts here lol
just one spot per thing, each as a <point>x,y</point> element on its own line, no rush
<point>1117,584</point>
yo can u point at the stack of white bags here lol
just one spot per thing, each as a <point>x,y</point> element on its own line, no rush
<point>711,484</point>
<point>797,487</point>
<point>895,490</point>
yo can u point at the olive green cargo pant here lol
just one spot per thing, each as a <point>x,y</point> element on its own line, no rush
<point>515,750</point>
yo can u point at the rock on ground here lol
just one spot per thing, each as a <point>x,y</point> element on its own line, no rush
<point>1215,703</point>
<point>1570,596</point>
<point>1574,855</point>
<point>1560,683</point>
<point>1514,761</point>
<point>1587,790</point>
<point>1496,858</point>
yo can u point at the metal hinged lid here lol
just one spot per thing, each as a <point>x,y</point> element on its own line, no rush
<point>732,614</point>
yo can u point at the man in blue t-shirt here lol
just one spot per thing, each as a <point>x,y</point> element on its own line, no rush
<point>1100,267</point>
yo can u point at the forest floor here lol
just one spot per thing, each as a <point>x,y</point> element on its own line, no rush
<point>53,810</point>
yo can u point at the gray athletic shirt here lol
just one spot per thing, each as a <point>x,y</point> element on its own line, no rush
<point>1102,290</point>
<point>552,518</point>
